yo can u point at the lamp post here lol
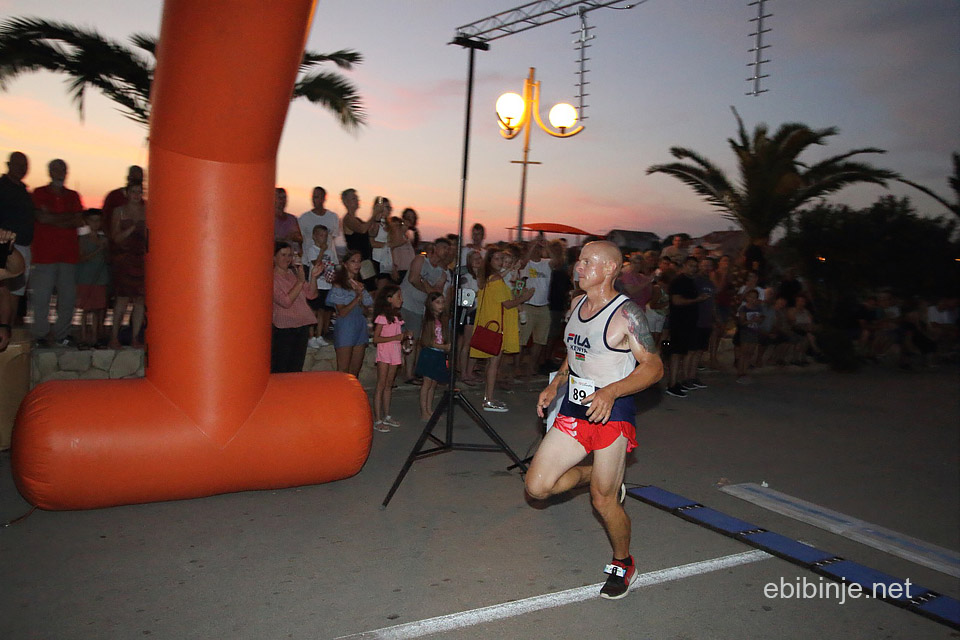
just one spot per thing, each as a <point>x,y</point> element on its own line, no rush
<point>514,114</point>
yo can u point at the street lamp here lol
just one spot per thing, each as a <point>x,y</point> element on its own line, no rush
<point>514,113</point>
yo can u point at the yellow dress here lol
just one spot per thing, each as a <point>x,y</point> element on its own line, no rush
<point>489,302</point>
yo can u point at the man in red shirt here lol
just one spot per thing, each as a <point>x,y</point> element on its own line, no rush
<point>55,255</point>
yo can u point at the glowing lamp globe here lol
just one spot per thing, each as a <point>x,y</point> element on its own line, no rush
<point>510,108</point>
<point>563,116</point>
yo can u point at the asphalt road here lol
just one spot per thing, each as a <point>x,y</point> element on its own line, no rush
<point>326,561</point>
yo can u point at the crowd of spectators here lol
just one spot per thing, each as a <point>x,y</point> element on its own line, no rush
<point>329,268</point>
<point>87,258</point>
<point>694,299</point>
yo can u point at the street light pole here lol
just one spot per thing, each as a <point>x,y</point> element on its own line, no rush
<point>562,116</point>
<point>527,100</point>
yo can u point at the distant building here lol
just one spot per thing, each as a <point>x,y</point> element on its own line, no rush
<point>723,242</point>
<point>634,240</point>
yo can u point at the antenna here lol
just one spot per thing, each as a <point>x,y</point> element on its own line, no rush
<point>581,45</point>
<point>758,48</point>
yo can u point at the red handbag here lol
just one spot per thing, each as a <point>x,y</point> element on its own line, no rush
<point>487,339</point>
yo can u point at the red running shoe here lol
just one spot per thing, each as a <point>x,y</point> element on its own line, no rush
<point>619,580</point>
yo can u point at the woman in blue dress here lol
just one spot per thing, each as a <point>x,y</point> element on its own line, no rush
<point>352,302</point>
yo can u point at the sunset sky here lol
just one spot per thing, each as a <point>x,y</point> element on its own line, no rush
<point>662,74</point>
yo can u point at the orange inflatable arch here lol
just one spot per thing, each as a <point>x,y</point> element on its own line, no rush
<point>208,417</point>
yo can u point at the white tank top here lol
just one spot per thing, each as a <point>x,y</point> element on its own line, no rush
<point>588,354</point>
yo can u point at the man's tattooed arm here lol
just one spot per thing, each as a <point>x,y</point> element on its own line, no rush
<point>637,325</point>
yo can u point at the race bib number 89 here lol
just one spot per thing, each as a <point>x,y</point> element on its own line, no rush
<point>579,389</point>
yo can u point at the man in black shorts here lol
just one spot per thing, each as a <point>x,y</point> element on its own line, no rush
<point>684,299</point>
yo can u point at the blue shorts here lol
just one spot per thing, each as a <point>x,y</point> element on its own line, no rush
<point>351,331</point>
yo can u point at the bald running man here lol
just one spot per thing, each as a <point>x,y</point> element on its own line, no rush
<point>610,357</point>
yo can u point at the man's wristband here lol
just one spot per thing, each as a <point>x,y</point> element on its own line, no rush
<point>5,326</point>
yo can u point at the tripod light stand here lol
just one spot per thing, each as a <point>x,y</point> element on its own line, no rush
<point>452,397</point>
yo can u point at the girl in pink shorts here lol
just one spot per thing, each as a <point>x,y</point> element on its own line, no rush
<point>388,335</point>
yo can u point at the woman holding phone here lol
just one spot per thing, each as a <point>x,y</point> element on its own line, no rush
<point>292,317</point>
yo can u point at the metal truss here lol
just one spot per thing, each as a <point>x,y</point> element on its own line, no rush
<point>530,16</point>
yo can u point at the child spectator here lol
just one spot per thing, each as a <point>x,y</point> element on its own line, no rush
<point>434,346</point>
<point>93,276</point>
<point>351,299</point>
<point>321,254</point>
<point>801,323</point>
<point>781,333</point>
<point>749,318</point>
<point>387,335</point>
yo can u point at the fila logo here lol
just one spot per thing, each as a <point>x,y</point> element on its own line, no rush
<point>578,341</point>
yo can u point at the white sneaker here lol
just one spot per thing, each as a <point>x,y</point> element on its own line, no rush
<point>390,421</point>
<point>493,405</point>
<point>313,343</point>
<point>321,342</point>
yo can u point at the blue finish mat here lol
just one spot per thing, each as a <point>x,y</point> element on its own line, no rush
<point>718,521</point>
<point>876,583</point>
<point>786,548</point>
<point>930,604</point>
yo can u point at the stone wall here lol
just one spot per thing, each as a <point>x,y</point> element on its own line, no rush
<point>102,364</point>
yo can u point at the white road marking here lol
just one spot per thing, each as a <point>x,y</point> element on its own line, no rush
<point>913,549</point>
<point>463,619</point>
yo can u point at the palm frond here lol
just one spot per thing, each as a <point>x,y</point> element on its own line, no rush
<point>125,74</point>
<point>838,176</point>
<point>85,56</point>
<point>954,180</point>
<point>793,139</point>
<point>741,130</point>
<point>335,93</point>
<point>18,57</point>
<point>826,168</point>
<point>953,207</point>
<point>682,153</point>
<point>344,59</point>
<point>711,186</point>
<point>146,42</point>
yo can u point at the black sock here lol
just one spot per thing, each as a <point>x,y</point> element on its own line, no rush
<point>626,561</point>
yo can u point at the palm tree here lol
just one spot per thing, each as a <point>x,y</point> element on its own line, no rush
<point>953,181</point>
<point>124,74</point>
<point>773,182</point>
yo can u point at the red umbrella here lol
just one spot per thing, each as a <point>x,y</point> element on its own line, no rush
<point>553,227</point>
